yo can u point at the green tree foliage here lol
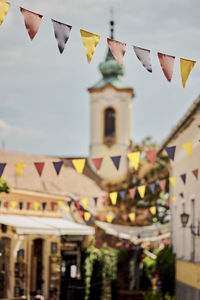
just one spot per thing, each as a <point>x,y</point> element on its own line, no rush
<point>4,187</point>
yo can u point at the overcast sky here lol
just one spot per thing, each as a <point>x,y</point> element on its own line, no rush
<point>44,103</point>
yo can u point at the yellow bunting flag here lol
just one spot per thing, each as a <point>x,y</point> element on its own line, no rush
<point>87,215</point>
<point>90,41</point>
<point>36,205</point>
<point>174,199</point>
<point>60,204</point>
<point>141,190</point>
<point>173,181</point>
<point>13,204</point>
<point>67,208</point>
<point>186,68</point>
<point>113,198</point>
<point>4,6</point>
<point>152,210</point>
<point>188,148</point>
<point>132,216</point>
<point>79,164</point>
<point>84,202</point>
<point>134,158</point>
<point>19,167</point>
<point>109,218</point>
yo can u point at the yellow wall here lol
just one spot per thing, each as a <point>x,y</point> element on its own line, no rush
<point>188,273</point>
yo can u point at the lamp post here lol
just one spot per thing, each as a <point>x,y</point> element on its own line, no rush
<point>195,230</point>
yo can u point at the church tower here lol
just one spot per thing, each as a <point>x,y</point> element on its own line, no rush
<point>110,118</point>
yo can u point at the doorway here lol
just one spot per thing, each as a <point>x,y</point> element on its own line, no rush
<point>68,284</point>
<point>37,266</point>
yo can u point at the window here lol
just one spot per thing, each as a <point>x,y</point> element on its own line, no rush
<point>109,122</point>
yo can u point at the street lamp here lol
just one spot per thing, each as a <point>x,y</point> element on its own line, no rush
<point>184,221</point>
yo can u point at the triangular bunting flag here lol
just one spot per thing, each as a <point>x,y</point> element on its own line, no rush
<point>183,177</point>
<point>151,155</point>
<point>174,199</point>
<point>109,218</point>
<point>4,6</point>
<point>122,195</point>
<point>162,184</point>
<point>13,204</point>
<point>173,181</point>
<point>152,187</point>
<point>167,64</point>
<point>141,190</point>
<point>125,217</point>
<point>116,161</point>
<point>97,162</point>
<point>53,205</point>
<point>90,41</point>
<point>131,216</point>
<point>2,167</point>
<point>186,68</point>
<point>79,164</point>
<point>195,173</point>
<point>132,192</point>
<point>39,167</point>
<point>67,208</point>
<point>188,148</point>
<point>60,204</point>
<point>113,198</point>
<point>95,200</point>
<point>6,204</point>
<point>78,206</point>
<point>62,32</point>
<point>102,218</point>
<point>32,21</point>
<point>116,218</point>
<point>87,215</point>
<point>19,167</point>
<point>21,205</point>
<point>84,202</point>
<point>144,56</point>
<point>44,204</point>
<point>70,202</point>
<point>28,205</point>
<point>170,151</point>
<point>36,205</point>
<point>117,49</point>
<point>58,165</point>
<point>153,210</point>
<point>134,158</point>
<point>181,195</point>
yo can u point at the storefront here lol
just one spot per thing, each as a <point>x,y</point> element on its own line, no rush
<point>38,254</point>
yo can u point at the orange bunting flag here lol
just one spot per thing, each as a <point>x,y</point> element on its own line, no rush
<point>167,64</point>
<point>117,49</point>
<point>79,164</point>
<point>97,163</point>
<point>153,210</point>
<point>188,148</point>
<point>173,181</point>
<point>39,167</point>
<point>151,155</point>
<point>134,158</point>
<point>186,68</point>
<point>32,21</point>
<point>141,190</point>
<point>132,216</point>
<point>109,218</point>
<point>4,6</point>
<point>19,167</point>
<point>87,215</point>
<point>84,202</point>
<point>90,41</point>
<point>113,198</point>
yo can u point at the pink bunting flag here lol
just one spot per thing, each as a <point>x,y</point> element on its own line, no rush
<point>32,21</point>
<point>196,173</point>
<point>39,167</point>
<point>162,184</point>
<point>167,64</point>
<point>132,192</point>
<point>117,49</point>
<point>125,217</point>
<point>151,155</point>
<point>97,163</point>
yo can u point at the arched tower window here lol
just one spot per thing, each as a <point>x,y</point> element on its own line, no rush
<point>109,122</point>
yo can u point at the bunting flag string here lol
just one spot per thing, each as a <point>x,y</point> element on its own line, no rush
<point>62,33</point>
<point>4,6</point>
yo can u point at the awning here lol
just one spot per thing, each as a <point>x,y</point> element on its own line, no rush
<point>42,225</point>
<point>137,234</point>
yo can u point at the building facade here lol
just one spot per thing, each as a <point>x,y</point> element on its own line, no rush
<point>110,118</point>
<point>185,199</point>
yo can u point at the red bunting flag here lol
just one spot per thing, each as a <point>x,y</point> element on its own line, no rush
<point>167,64</point>
<point>125,217</point>
<point>97,162</point>
<point>132,192</point>
<point>117,49</point>
<point>151,155</point>
<point>162,184</point>
<point>32,21</point>
<point>39,167</point>
<point>196,173</point>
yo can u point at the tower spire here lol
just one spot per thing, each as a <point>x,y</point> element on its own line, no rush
<point>112,23</point>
